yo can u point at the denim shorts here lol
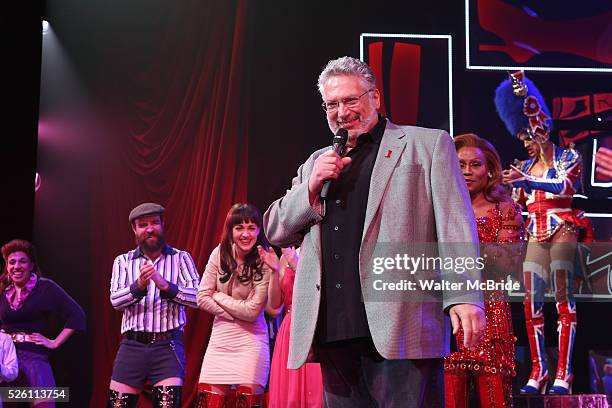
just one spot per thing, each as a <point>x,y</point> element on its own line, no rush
<point>137,362</point>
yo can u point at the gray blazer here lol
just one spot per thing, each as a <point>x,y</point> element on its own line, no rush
<point>417,194</point>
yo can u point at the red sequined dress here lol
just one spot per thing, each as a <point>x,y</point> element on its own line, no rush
<point>491,364</point>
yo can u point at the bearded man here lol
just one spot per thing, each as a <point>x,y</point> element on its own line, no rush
<point>151,285</point>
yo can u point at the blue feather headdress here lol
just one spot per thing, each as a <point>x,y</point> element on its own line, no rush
<point>522,108</point>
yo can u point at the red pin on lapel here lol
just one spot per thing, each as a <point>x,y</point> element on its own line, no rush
<point>388,154</point>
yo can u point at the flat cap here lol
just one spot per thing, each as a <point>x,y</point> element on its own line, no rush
<point>145,209</point>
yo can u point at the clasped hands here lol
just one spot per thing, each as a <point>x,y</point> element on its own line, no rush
<point>149,273</point>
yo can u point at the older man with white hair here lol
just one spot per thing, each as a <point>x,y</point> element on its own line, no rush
<point>392,184</point>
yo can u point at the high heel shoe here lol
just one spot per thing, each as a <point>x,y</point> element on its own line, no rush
<point>561,387</point>
<point>535,386</point>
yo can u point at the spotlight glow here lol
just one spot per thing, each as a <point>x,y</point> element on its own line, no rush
<point>37,182</point>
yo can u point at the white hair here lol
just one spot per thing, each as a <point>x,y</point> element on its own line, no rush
<point>346,66</point>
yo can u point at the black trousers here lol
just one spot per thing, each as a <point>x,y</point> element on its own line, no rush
<point>355,376</point>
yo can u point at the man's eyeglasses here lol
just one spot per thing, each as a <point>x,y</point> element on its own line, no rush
<point>348,102</point>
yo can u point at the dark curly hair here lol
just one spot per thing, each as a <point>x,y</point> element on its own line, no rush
<point>252,268</point>
<point>17,245</point>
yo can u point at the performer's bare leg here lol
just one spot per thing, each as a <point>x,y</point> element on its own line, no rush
<point>122,395</point>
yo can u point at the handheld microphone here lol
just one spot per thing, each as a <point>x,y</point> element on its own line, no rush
<point>338,145</point>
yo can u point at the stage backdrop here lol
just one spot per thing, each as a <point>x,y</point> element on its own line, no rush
<point>149,119</point>
<point>147,100</point>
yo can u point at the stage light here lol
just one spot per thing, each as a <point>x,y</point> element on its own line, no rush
<point>45,27</point>
<point>37,182</point>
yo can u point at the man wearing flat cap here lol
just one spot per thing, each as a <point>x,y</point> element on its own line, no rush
<point>151,285</point>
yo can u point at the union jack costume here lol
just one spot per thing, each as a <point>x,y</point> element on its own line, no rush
<point>549,202</point>
<point>549,198</point>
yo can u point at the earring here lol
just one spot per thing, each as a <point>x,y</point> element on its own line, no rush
<point>490,174</point>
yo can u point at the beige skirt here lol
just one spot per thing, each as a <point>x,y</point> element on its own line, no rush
<point>237,353</point>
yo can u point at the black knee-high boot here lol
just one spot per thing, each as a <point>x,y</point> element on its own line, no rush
<point>167,396</point>
<point>118,399</point>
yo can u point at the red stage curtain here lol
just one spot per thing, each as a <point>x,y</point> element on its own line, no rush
<point>180,139</point>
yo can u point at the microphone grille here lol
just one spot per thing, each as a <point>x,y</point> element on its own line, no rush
<point>341,137</point>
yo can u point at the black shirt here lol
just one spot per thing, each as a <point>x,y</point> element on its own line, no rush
<point>44,304</point>
<point>342,313</point>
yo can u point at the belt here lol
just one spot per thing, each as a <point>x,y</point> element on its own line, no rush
<point>149,337</point>
<point>20,337</point>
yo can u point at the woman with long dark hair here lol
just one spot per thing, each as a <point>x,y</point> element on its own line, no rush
<point>491,364</point>
<point>28,302</point>
<point>234,288</point>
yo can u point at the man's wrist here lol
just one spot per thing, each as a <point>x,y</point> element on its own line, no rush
<point>163,285</point>
<point>312,197</point>
<point>136,290</point>
<point>170,291</point>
